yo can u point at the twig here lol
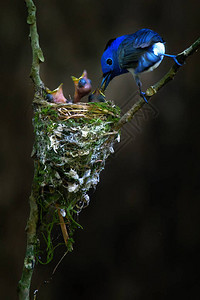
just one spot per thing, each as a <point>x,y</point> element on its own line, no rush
<point>62,225</point>
<point>36,50</point>
<point>29,260</point>
<point>152,90</point>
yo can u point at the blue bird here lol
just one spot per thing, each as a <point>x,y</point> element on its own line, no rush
<point>136,53</point>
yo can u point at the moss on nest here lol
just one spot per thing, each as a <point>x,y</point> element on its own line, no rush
<point>72,143</point>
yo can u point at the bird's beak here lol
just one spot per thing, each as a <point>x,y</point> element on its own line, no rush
<point>105,81</point>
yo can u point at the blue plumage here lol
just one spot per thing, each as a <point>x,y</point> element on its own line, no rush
<point>137,53</point>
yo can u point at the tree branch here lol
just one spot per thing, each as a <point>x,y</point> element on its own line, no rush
<point>29,260</point>
<point>31,228</point>
<point>36,50</point>
<point>152,90</point>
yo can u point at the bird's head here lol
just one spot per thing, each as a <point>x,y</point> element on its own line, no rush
<point>108,67</point>
<point>109,62</point>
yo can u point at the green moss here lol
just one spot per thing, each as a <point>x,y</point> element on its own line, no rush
<point>107,107</point>
<point>70,154</point>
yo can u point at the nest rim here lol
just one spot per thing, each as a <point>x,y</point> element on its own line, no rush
<point>88,110</point>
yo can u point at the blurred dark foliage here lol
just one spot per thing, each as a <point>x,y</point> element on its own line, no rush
<point>142,228</point>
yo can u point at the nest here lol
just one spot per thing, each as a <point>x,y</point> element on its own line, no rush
<point>72,143</point>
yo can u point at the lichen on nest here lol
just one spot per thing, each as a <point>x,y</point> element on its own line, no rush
<point>72,143</point>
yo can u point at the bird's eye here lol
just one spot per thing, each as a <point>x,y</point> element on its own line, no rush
<point>109,61</point>
<point>82,82</point>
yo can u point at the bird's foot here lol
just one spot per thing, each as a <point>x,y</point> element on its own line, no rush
<point>176,61</point>
<point>174,57</point>
<point>139,84</point>
<point>142,94</point>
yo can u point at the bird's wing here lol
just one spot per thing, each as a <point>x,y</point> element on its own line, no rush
<point>134,46</point>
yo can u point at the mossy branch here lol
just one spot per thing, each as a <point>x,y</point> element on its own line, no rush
<point>36,50</point>
<point>152,90</point>
<point>31,228</point>
<point>29,261</point>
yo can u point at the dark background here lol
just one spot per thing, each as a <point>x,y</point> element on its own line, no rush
<point>141,231</point>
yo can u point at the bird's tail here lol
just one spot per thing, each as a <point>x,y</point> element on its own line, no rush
<point>174,58</point>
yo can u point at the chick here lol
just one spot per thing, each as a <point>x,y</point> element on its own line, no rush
<point>56,96</point>
<point>82,86</point>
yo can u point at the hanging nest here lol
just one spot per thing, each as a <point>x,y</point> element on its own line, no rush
<point>72,143</point>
